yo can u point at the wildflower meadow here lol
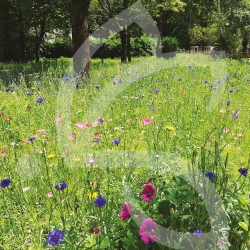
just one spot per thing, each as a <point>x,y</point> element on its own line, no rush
<point>148,155</point>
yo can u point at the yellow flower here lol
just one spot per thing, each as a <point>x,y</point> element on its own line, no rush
<point>202,120</point>
<point>169,128</point>
<point>93,195</point>
<point>77,159</point>
<point>50,156</point>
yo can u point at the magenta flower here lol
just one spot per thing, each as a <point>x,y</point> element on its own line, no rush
<point>148,230</point>
<point>126,211</point>
<point>148,193</point>
<point>146,121</point>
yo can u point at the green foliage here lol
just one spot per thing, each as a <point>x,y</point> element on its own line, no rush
<point>169,44</point>
<point>111,48</point>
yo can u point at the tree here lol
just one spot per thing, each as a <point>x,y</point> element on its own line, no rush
<point>80,35</point>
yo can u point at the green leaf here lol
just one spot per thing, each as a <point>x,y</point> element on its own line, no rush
<point>104,243</point>
<point>243,225</point>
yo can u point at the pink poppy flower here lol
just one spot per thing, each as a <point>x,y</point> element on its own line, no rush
<point>58,118</point>
<point>148,230</point>
<point>3,154</point>
<point>126,211</point>
<point>146,121</point>
<point>80,124</point>
<point>91,160</point>
<point>8,118</point>
<point>50,194</point>
<point>148,193</point>
<point>223,111</point>
<point>72,137</point>
<point>41,131</point>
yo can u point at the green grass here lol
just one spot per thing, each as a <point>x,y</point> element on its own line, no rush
<point>197,139</point>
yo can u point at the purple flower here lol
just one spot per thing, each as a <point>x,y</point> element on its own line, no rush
<point>231,91</point>
<point>8,89</point>
<point>206,81</point>
<point>5,183</point>
<point>55,237</point>
<point>210,175</point>
<point>198,233</point>
<point>189,66</point>
<point>229,103</point>
<point>61,186</point>
<point>100,120</point>
<point>99,201</point>
<point>156,91</point>
<point>120,81</point>
<point>148,230</point>
<point>235,117</point>
<point>219,81</point>
<point>97,140</point>
<point>40,100</point>
<point>97,86</point>
<point>116,141</point>
<point>226,77</point>
<point>179,79</point>
<point>243,171</point>
<point>31,139</point>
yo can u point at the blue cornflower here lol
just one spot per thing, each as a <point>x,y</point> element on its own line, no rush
<point>120,81</point>
<point>55,237</point>
<point>61,186</point>
<point>198,233</point>
<point>5,183</point>
<point>97,140</point>
<point>210,175</point>
<point>8,89</point>
<point>40,99</point>
<point>231,91</point>
<point>99,201</point>
<point>100,120</point>
<point>219,81</point>
<point>156,91</point>
<point>31,139</point>
<point>229,103</point>
<point>243,171</point>
<point>116,141</point>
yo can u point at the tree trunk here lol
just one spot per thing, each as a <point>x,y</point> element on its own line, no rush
<point>158,48</point>
<point>128,45</point>
<point>123,46</point>
<point>80,34</point>
<point>21,39</point>
<point>244,46</point>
